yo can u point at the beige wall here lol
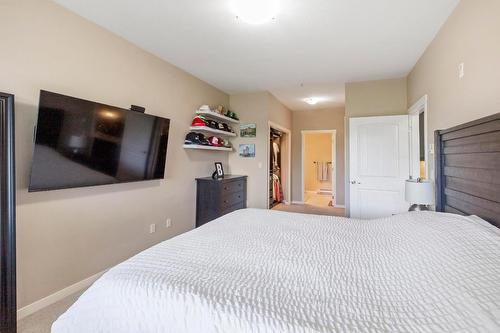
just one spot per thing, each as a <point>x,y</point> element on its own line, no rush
<point>471,35</point>
<point>317,148</point>
<point>326,119</point>
<point>257,108</point>
<point>370,99</point>
<point>66,236</point>
<point>376,98</point>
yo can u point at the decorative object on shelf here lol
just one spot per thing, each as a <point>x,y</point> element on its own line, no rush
<point>231,114</point>
<point>248,130</point>
<point>204,107</point>
<point>213,122</point>
<point>220,109</point>
<point>193,138</point>
<point>420,193</point>
<point>247,150</point>
<point>219,171</point>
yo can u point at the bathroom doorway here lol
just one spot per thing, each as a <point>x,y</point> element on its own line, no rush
<point>319,168</point>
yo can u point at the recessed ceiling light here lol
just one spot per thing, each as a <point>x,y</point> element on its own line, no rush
<point>255,11</point>
<point>311,100</point>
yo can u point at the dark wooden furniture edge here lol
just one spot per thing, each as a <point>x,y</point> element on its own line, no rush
<point>478,149</point>
<point>8,305</point>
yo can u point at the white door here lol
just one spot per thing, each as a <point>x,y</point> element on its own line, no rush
<point>379,166</point>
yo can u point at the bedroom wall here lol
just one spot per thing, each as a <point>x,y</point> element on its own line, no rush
<point>323,119</point>
<point>66,236</point>
<point>470,36</point>
<point>369,99</point>
<point>376,98</point>
<point>256,108</point>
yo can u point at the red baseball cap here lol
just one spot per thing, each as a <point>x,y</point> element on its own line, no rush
<point>199,121</point>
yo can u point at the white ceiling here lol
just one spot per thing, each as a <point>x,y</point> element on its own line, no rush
<point>320,43</point>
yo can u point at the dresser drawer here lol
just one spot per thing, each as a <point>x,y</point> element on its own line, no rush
<point>230,199</point>
<point>239,205</point>
<point>217,197</point>
<point>231,187</point>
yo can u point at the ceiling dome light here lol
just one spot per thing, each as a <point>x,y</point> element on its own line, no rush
<point>255,11</point>
<point>311,100</point>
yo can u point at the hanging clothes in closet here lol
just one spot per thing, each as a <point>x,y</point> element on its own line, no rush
<point>275,176</point>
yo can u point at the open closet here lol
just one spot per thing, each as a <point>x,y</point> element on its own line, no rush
<point>275,168</point>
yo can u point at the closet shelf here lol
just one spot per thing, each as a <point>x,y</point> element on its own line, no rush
<point>218,116</point>
<point>207,148</point>
<point>210,130</point>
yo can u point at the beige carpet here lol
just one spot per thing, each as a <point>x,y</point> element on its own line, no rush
<point>41,321</point>
<point>310,209</point>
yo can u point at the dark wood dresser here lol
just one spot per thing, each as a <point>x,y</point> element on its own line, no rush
<point>217,197</point>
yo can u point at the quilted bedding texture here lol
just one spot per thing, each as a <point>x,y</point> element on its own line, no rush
<point>265,271</point>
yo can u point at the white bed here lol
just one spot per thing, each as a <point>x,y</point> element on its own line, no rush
<point>265,271</point>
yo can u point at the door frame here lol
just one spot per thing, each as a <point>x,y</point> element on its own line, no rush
<point>8,302</point>
<point>421,106</point>
<point>334,162</point>
<point>288,140</point>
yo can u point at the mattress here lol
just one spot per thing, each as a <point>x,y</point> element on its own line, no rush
<point>266,271</point>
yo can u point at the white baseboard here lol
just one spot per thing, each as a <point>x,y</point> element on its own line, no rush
<point>339,206</point>
<point>57,296</point>
<point>297,202</point>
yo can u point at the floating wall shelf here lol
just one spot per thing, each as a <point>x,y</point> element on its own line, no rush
<point>210,130</point>
<point>207,148</point>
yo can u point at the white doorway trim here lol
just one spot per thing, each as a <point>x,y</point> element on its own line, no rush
<point>334,163</point>
<point>421,106</point>
<point>288,140</point>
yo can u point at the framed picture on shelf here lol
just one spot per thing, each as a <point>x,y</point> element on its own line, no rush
<point>247,150</point>
<point>248,130</point>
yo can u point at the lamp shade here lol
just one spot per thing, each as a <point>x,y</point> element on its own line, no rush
<point>419,192</point>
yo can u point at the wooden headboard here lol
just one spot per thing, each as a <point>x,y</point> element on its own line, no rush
<point>468,169</point>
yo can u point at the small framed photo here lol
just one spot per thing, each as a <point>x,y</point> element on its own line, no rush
<point>247,150</point>
<point>248,130</point>
<point>219,171</point>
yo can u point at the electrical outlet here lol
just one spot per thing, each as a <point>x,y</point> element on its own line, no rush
<point>168,223</point>
<point>152,228</point>
<point>461,70</point>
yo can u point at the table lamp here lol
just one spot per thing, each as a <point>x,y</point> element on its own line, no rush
<point>419,193</point>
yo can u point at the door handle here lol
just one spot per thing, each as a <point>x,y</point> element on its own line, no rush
<point>353,182</point>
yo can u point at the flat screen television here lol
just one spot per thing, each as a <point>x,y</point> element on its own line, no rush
<point>82,143</point>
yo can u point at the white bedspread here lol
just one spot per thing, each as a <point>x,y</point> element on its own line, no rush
<point>265,271</point>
